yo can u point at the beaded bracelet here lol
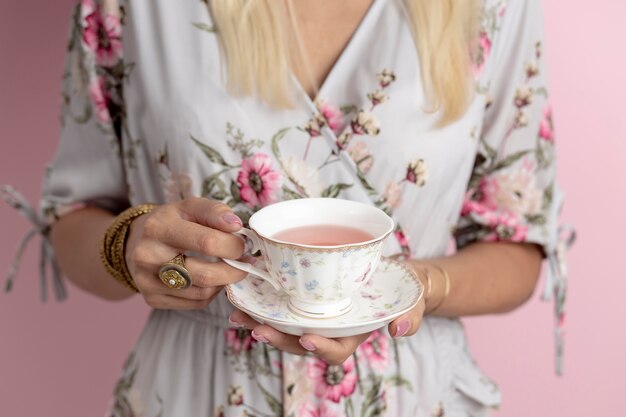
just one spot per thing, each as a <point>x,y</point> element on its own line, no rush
<point>112,250</point>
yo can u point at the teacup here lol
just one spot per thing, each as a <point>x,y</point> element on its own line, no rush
<point>318,277</point>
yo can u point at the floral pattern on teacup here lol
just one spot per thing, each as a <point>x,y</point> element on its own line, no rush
<point>318,275</point>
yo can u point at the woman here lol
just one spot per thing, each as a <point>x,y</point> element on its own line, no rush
<point>436,112</point>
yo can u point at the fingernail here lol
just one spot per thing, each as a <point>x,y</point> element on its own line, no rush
<point>234,322</point>
<point>402,328</point>
<point>230,218</point>
<point>307,345</point>
<point>259,337</point>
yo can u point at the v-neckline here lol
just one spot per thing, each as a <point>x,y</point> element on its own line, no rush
<point>356,35</point>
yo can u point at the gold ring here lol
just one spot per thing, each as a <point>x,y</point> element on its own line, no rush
<point>174,274</point>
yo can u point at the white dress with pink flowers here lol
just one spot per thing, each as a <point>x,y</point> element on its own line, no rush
<point>146,118</point>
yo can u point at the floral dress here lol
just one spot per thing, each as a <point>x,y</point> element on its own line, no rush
<point>146,118</point>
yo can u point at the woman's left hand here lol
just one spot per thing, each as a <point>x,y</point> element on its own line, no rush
<point>334,351</point>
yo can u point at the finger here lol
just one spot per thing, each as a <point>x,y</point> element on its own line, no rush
<point>210,274</point>
<point>193,292</point>
<point>407,324</point>
<point>279,340</point>
<point>168,302</point>
<point>150,284</point>
<point>333,351</point>
<point>188,236</point>
<point>240,319</point>
<point>210,213</point>
<point>266,334</point>
<point>150,255</point>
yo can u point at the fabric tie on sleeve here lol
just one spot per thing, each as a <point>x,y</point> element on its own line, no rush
<point>556,286</point>
<point>47,261</point>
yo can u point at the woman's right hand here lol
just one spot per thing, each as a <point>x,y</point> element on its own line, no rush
<point>197,225</point>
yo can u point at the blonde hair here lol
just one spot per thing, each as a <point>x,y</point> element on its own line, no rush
<point>258,58</point>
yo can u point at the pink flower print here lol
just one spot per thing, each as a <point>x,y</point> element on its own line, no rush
<point>531,69</point>
<point>305,263</point>
<point>321,409</point>
<point>393,194</point>
<point>546,127</point>
<point>481,199</point>
<point>178,187</point>
<point>377,97</point>
<point>506,227</point>
<point>344,139</point>
<point>380,314</point>
<point>332,381</point>
<point>361,156</point>
<point>515,190</point>
<point>100,100</point>
<point>314,128</point>
<point>484,49</point>
<point>238,340</point>
<point>416,172</point>
<point>315,124</point>
<point>523,96</point>
<point>258,182</point>
<point>471,206</point>
<point>364,123</point>
<point>235,395</point>
<point>386,77</point>
<point>332,115</point>
<point>102,34</point>
<point>376,350</point>
<point>402,239</point>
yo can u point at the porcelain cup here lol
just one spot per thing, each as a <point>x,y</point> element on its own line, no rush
<point>319,280</point>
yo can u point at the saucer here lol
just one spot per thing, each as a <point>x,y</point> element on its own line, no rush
<point>391,291</point>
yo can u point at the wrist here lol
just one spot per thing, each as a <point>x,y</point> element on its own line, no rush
<point>436,283</point>
<point>113,248</point>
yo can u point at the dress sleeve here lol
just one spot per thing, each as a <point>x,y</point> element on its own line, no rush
<point>87,169</point>
<point>512,194</point>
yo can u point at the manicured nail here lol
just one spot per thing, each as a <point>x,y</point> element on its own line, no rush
<point>234,322</point>
<point>259,337</point>
<point>307,345</point>
<point>402,328</point>
<point>230,218</point>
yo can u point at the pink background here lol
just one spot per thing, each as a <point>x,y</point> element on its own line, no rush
<point>63,359</point>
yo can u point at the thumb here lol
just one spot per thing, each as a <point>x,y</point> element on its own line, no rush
<point>408,323</point>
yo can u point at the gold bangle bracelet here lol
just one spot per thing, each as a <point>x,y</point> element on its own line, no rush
<point>447,287</point>
<point>429,282</point>
<point>113,248</point>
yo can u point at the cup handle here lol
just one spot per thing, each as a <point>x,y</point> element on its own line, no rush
<point>250,236</point>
